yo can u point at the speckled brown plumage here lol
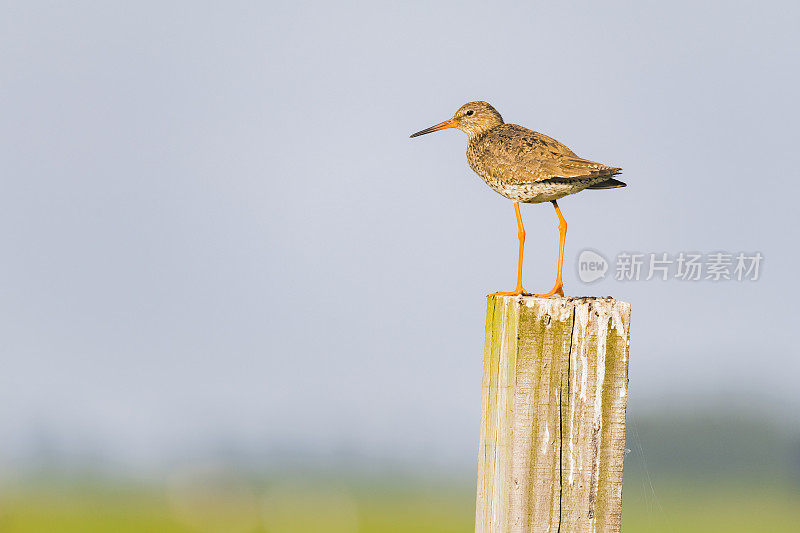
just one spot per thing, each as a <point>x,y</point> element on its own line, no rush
<point>528,166</point>
<point>525,166</point>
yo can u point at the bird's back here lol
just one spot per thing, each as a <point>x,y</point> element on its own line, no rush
<point>525,165</point>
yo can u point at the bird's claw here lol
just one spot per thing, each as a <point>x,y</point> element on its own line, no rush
<point>519,291</point>
<point>558,289</point>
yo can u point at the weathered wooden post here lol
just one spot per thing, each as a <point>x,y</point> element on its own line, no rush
<point>555,382</point>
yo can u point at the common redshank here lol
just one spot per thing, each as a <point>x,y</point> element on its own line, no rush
<point>525,166</point>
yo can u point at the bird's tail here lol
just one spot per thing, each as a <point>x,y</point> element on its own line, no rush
<point>610,183</point>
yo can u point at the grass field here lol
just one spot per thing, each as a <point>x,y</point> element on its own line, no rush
<point>366,507</point>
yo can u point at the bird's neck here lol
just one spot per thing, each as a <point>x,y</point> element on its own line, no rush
<point>475,133</point>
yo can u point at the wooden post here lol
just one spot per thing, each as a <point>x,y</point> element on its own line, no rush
<point>555,384</point>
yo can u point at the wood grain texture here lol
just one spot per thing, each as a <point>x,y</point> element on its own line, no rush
<point>555,381</point>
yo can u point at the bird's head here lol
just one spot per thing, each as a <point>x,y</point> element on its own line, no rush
<point>473,119</point>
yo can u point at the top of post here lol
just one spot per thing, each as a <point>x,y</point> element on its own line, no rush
<point>531,300</point>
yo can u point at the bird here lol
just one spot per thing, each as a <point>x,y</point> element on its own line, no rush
<point>526,167</point>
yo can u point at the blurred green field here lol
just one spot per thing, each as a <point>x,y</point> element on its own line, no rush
<point>707,472</point>
<point>368,507</point>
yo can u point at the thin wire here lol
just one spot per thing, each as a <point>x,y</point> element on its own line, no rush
<point>637,442</point>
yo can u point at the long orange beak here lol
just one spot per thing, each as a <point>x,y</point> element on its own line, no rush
<point>451,123</point>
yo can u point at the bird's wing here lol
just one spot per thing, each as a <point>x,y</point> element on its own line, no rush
<point>518,155</point>
<point>567,168</point>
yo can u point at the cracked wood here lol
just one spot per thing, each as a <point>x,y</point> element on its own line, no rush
<point>555,381</point>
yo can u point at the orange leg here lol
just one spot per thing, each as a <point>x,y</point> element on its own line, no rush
<point>521,234</point>
<point>562,233</point>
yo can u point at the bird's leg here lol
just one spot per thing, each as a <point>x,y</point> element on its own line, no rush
<point>562,234</point>
<point>521,235</point>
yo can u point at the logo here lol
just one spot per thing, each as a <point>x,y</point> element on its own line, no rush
<point>664,266</point>
<point>591,266</point>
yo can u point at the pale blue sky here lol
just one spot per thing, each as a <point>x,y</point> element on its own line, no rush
<point>214,226</point>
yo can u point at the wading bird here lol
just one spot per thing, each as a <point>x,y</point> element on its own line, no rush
<point>525,166</point>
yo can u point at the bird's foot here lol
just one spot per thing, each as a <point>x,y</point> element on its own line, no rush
<point>517,292</point>
<point>558,289</point>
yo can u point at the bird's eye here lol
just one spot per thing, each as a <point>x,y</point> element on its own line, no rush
<point>470,112</point>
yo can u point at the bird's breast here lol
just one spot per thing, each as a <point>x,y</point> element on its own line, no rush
<point>480,161</point>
